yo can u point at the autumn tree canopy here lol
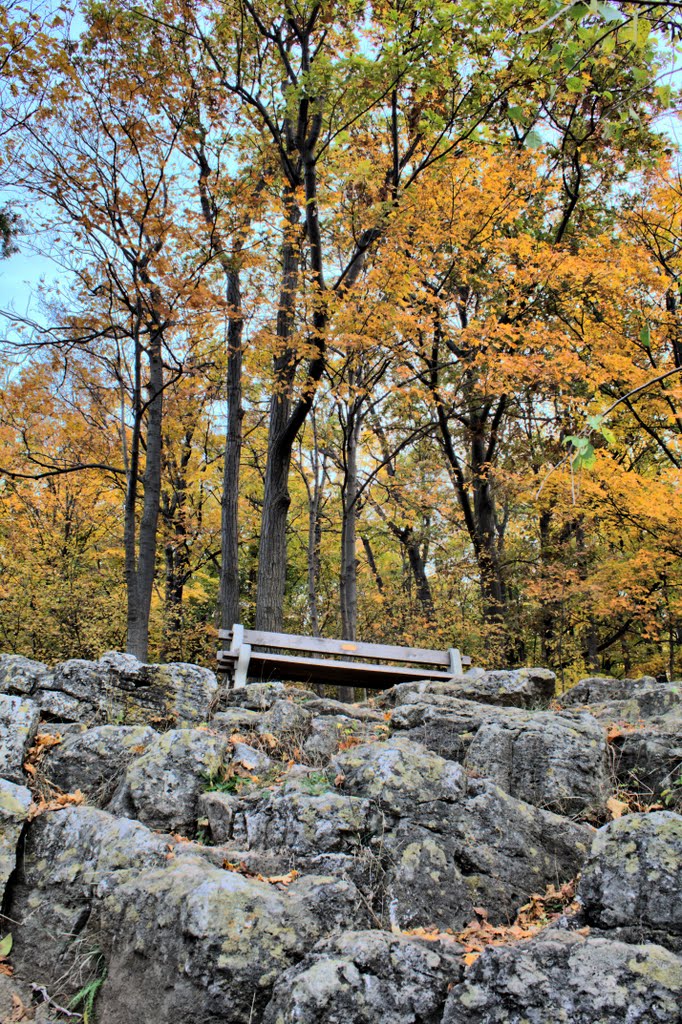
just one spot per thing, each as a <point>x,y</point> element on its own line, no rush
<point>368,324</point>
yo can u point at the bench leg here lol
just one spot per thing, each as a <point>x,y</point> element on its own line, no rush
<point>242,667</point>
<point>455,662</point>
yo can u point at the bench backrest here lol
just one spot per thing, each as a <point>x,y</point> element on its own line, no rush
<point>344,648</point>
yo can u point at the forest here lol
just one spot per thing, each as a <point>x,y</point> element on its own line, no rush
<point>366,323</point>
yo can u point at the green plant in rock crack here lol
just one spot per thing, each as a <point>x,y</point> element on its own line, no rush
<point>316,783</point>
<point>672,794</point>
<point>84,999</point>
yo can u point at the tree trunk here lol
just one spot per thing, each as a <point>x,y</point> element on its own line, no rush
<point>348,588</point>
<point>229,524</point>
<point>272,555</point>
<point>140,570</point>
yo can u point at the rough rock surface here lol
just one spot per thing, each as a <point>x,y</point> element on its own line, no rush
<point>556,761</point>
<point>190,935</point>
<point>522,688</point>
<point>565,977</point>
<point>261,696</point>
<point>66,855</point>
<point>21,675</point>
<point>19,719</point>
<point>95,760</point>
<point>292,823</point>
<point>117,688</point>
<point>649,759</point>
<point>549,760</point>
<point>631,883</point>
<point>14,804</point>
<point>162,787</point>
<point>369,977</point>
<point>596,689</point>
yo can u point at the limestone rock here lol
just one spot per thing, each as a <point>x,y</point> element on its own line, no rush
<point>119,688</point>
<point>639,707</point>
<point>565,977</point>
<point>490,850</point>
<point>261,696</point>
<point>649,759</point>
<point>190,942</point>
<point>596,689</point>
<point>67,854</point>
<point>448,844</point>
<point>556,761</point>
<point>14,804</point>
<point>369,977</point>
<point>632,881</point>
<point>328,732</point>
<point>235,720</point>
<point>326,706</point>
<point>403,778</point>
<point>19,675</point>
<point>522,688</point>
<point>559,762</point>
<point>162,787</point>
<point>286,721</point>
<point>95,760</point>
<point>304,823</point>
<point>19,719</point>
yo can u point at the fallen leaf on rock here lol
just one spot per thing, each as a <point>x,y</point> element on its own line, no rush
<point>282,881</point>
<point>617,808</point>
<point>55,804</point>
<point>46,739</point>
<point>19,1010</point>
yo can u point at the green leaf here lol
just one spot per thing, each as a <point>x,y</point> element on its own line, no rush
<point>6,946</point>
<point>575,84</point>
<point>609,13</point>
<point>533,140</point>
<point>516,113</point>
<point>594,422</point>
<point>645,336</point>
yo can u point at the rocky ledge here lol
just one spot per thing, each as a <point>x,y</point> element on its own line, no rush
<point>465,853</point>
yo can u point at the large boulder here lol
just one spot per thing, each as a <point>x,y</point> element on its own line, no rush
<point>562,976</point>
<point>120,689</point>
<point>19,718</point>
<point>162,786</point>
<point>596,689</point>
<point>261,696</point>
<point>522,688</point>
<point>368,977</point>
<point>19,675</point>
<point>559,762</point>
<point>191,942</point>
<point>556,761</point>
<point>448,843</point>
<point>95,760</point>
<point>631,883</point>
<point>68,854</point>
<point>15,802</point>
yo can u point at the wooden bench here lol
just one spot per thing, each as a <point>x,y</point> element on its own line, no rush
<point>252,653</point>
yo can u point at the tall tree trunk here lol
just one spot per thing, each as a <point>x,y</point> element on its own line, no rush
<point>140,572</point>
<point>229,523</point>
<point>272,556</point>
<point>348,583</point>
